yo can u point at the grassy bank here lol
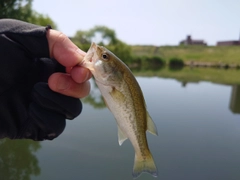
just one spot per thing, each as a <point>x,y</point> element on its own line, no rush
<point>213,54</point>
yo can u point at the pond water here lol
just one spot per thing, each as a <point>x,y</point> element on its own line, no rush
<point>199,138</point>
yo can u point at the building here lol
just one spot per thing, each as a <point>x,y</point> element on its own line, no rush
<point>228,43</point>
<point>190,41</point>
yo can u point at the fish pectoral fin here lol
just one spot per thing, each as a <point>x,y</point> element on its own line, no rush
<point>151,127</point>
<point>121,136</point>
<point>117,95</point>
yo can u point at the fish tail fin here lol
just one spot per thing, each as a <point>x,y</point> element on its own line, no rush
<point>144,165</point>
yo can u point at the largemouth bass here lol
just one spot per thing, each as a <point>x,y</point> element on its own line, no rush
<point>124,98</point>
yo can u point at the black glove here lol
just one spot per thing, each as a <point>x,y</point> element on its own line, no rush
<point>28,108</point>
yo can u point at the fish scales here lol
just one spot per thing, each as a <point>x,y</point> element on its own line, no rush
<point>140,114</point>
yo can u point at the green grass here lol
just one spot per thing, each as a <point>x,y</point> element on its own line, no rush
<point>214,54</point>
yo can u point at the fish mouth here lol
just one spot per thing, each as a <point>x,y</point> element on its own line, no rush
<point>92,50</point>
<point>88,59</point>
<point>93,46</point>
<point>90,53</point>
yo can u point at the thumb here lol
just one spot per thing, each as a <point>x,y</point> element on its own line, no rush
<point>63,49</point>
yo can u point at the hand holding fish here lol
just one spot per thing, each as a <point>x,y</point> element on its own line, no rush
<point>74,83</point>
<point>124,98</point>
<point>29,55</point>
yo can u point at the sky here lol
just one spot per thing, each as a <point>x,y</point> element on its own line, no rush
<point>148,22</point>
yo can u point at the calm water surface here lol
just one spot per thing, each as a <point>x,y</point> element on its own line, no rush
<point>199,138</point>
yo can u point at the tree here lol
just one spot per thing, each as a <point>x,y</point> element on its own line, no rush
<point>104,36</point>
<point>122,50</point>
<point>41,19</point>
<point>22,10</point>
<point>16,9</point>
<point>81,39</point>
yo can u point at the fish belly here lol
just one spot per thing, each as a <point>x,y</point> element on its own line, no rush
<point>121,106</point>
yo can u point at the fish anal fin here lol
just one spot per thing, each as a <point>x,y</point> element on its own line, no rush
<point>151,127</point>
<point>121,137</point>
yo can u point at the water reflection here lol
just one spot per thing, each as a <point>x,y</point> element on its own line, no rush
<point>235,99</point>
<point>198,127</point>
<point>96,100</point>
<point>198,134</point>
<point>17,159</point>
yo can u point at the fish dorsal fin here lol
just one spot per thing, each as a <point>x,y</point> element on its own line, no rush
<point>121,136</point>
<point>151,127</point>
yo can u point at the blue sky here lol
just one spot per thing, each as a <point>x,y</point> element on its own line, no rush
<point>148,22</point>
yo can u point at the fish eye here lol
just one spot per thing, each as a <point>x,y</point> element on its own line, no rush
<point>105,56</point>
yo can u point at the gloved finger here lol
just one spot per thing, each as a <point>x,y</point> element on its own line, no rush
<point>64,84</point>
<point>42,68</point>
<point>68,106</point>
<point>44,124</point>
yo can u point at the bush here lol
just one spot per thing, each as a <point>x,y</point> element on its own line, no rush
<point>176,63</point>
<point>153,63</point>
<point>156,61</point>
<point>135,63</point>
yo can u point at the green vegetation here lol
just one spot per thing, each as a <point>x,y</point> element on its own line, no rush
<point>213,54</point>
<point>22,10</point>
<point>103,36</point>
<point>176,63</point>
<point>145,62</point>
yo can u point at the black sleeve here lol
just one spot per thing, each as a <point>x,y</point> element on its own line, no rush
<point>20,44</point>
<point>24,63</point>
<point>31,38</point>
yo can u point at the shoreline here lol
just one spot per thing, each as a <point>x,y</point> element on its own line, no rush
<point>211,65</point>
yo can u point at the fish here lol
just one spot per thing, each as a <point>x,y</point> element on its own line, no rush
<point>124,98</point>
